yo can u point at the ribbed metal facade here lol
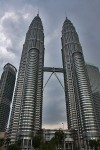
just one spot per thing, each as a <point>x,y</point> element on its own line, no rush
<point>6,92</point>
<point>79,101</point>
<point>26,113</point>
<point>94,76</point>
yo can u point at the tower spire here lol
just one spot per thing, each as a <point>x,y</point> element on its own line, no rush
<point>38,13</point>
<point>66,15</point>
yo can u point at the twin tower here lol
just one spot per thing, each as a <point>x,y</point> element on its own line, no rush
<point>26,115</point>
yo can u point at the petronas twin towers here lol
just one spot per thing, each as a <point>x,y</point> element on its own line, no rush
<point>26,115</point>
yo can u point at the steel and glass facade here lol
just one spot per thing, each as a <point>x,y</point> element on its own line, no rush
<point>94,76</point>
<point>79,100</point>
<point>6,92</point>
<point>26,113</point>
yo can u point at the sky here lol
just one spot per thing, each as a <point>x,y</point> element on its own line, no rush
<point>15,18</point>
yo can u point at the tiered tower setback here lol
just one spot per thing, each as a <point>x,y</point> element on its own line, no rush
<point>94,76</point>
<point>79,101</point>
<point>26,113</point>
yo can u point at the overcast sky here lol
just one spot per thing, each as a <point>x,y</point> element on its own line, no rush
<point>15,17</point>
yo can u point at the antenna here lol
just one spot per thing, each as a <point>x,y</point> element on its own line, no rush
<point>38,13</point>
<point>66,15</point>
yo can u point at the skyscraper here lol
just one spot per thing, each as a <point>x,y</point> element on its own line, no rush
<point>79,101</point>
<point>6,92</point>
<point>26,113</point>
<point>94,76</point>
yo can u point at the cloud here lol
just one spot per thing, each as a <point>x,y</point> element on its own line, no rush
<point>12,35</point>
<point>54,111</point>
<point>4,54</point>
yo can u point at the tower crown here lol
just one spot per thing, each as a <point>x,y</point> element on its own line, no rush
<point>67,25</point>
<point>36,22</point>
<point>37,18</point>
<point>67,21</point>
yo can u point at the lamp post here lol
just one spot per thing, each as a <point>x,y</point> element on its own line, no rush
<point>63,126</point>
<point>64,135</point>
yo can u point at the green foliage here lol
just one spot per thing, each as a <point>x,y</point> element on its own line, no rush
<point>98,142</point>
<point>43,146</point>
<point>94,144</point>
<point>13,147</point>
<point>18,142</point>
<point>1,142</point>
<point>59,138</point>
<point>50,145</point>
<point>56,141</point>
<point>7,141</point>
<point>36,141</point>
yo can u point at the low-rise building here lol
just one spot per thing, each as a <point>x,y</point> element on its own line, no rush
<point>70,137</point>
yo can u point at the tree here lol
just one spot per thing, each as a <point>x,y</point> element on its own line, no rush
<point>1,142</point>
<point>43,146</point>
<point>7,142</point>
<point>59,138</point>
<point>36,141</point>
<point>52,144</point>
<point>98,143</point>
<point>94,144</point>
<point>18,142</point>
<point>13,147</point>
<point>48,145</point>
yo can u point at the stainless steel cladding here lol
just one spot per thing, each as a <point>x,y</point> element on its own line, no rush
<point>79,101</point>
<point>94,76</point>
<point>26,113</point>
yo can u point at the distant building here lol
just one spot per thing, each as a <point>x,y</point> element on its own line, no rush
<point>94,76</point>
<point>6,92</point>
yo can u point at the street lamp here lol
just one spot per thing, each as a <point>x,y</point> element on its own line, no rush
<point>64,135</point>
<point>63,125</point>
